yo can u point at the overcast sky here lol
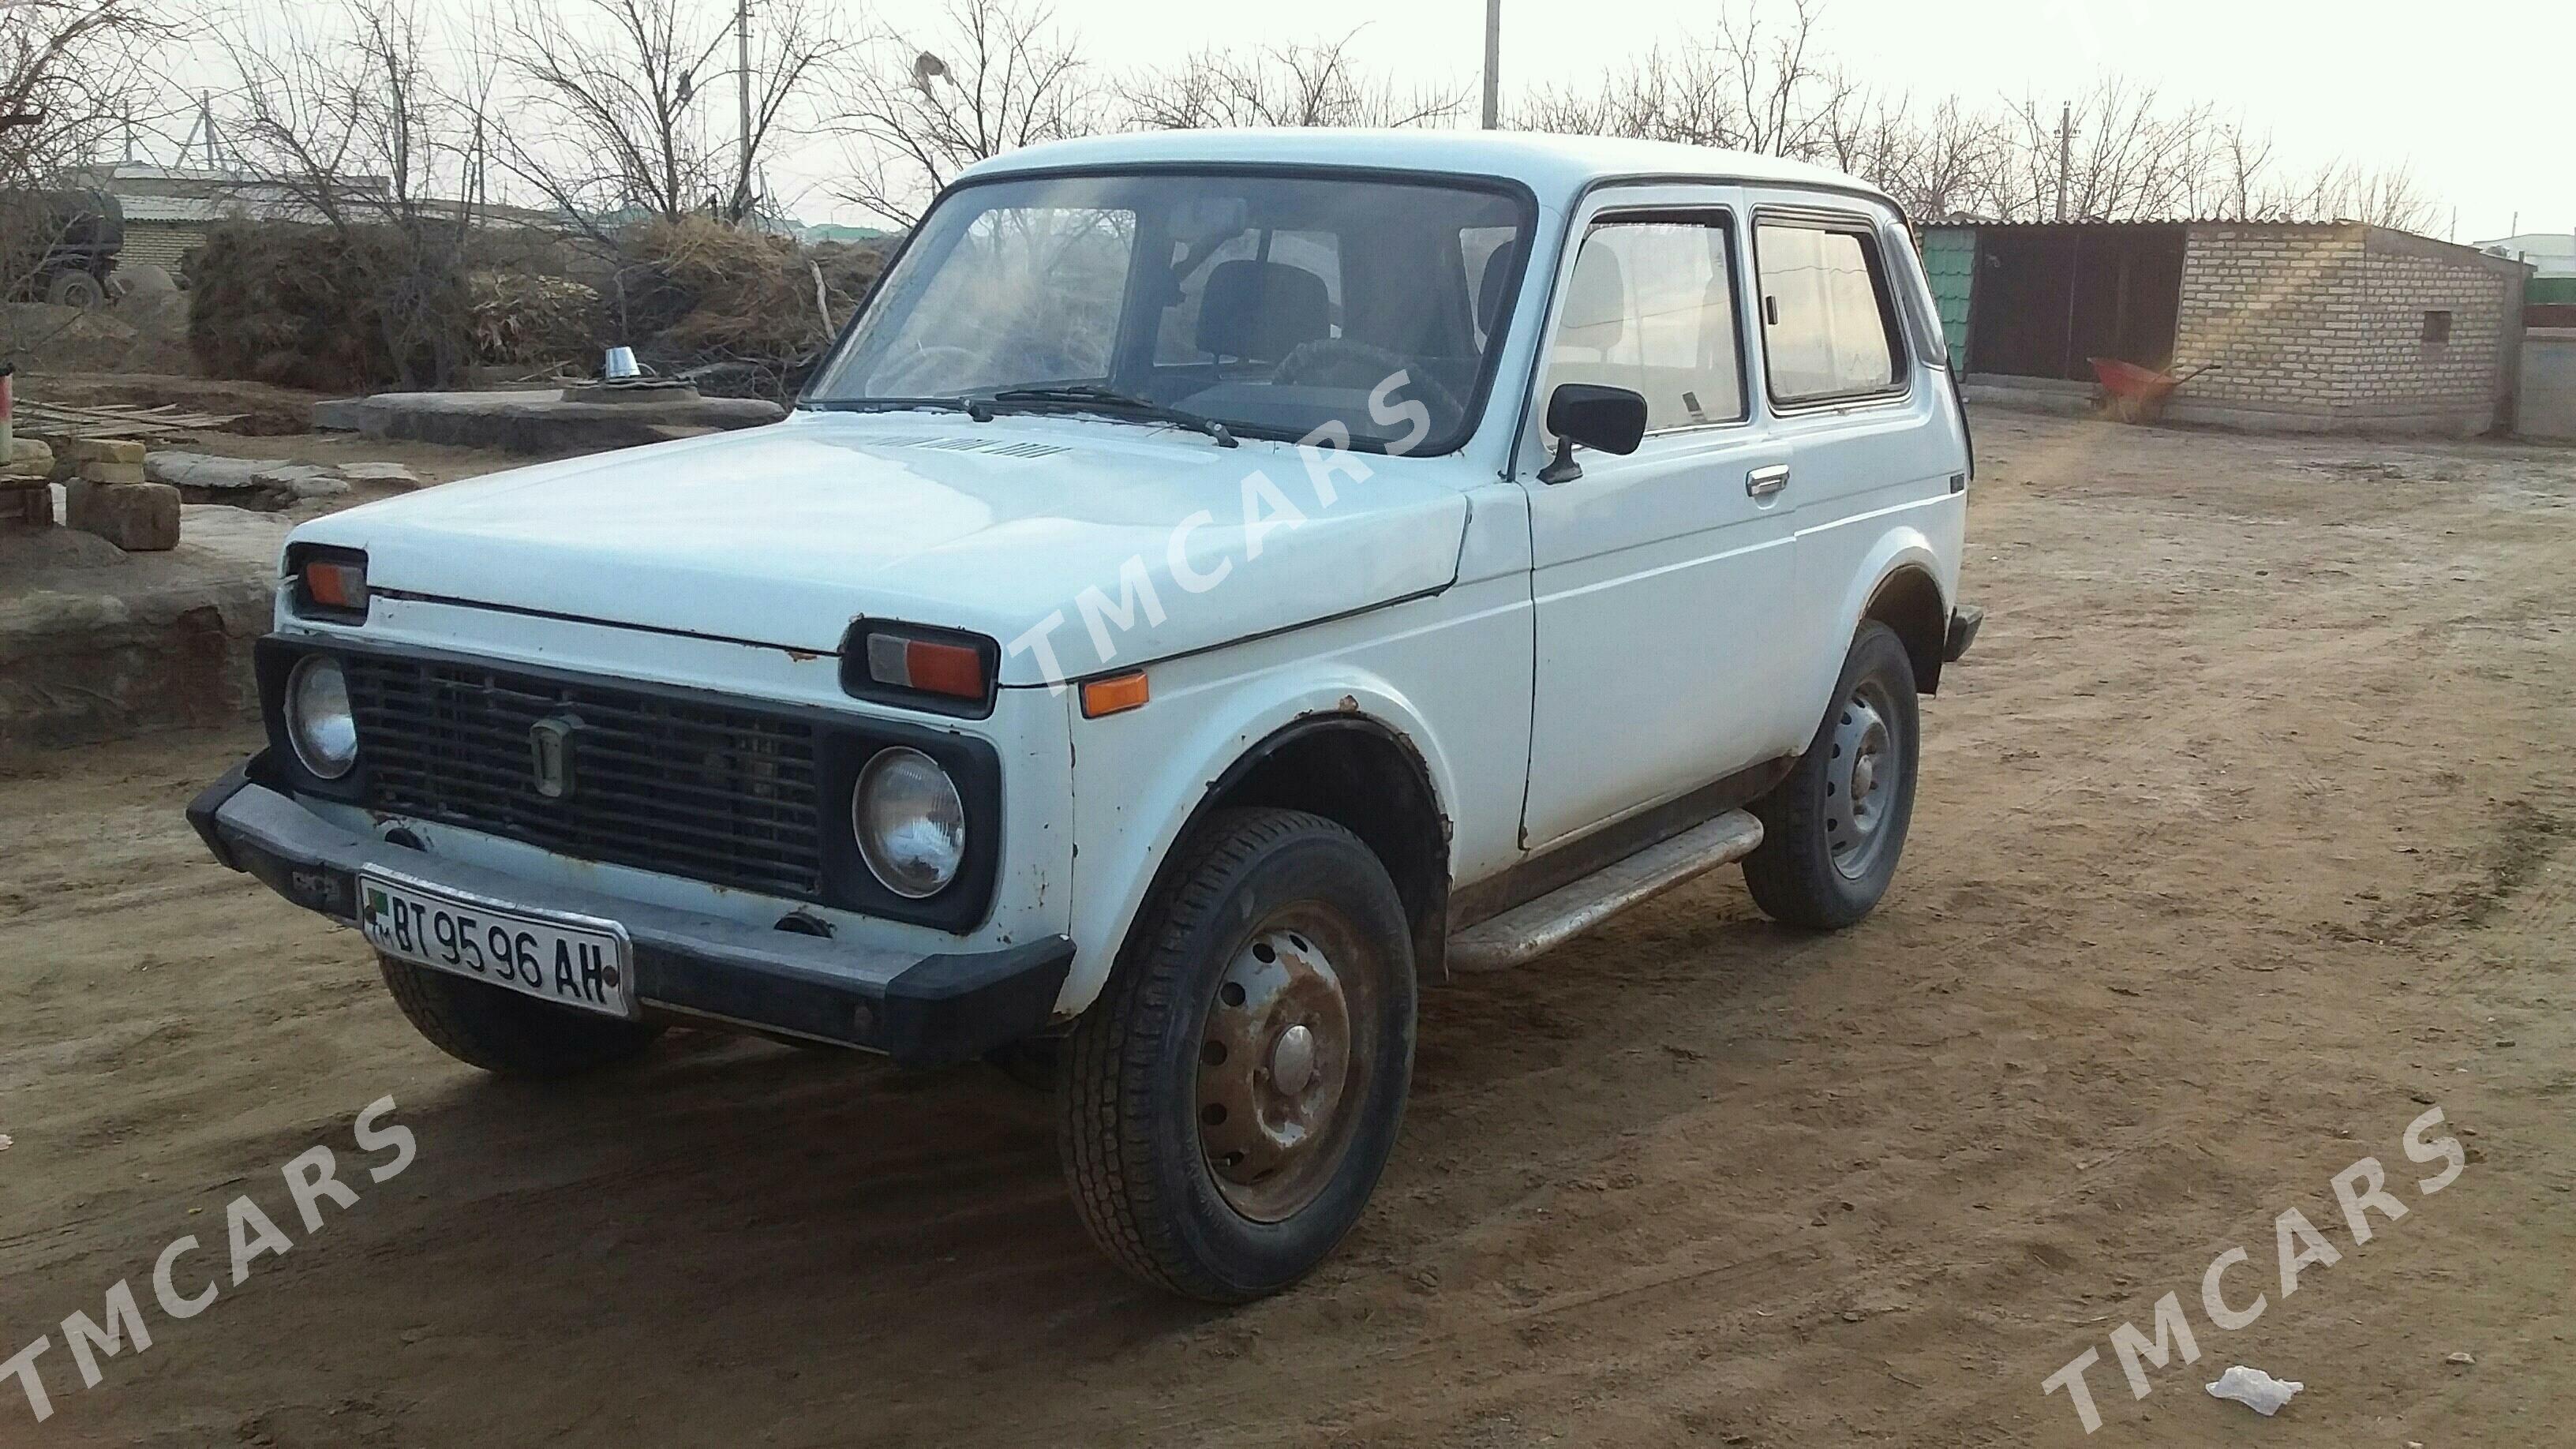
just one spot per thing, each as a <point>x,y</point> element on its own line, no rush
<point>2476,96</point>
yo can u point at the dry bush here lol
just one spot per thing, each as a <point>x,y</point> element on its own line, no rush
<point>697,295</point>
<point>292,305</point>
<point>520,317</point>
<point>309,306</point>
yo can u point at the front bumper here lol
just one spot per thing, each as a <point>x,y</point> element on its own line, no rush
<point>920,1010</point>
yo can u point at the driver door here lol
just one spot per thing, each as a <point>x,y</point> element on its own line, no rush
<point>1660,578</point>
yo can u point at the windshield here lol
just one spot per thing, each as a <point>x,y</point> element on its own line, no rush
<point>1269,304</point>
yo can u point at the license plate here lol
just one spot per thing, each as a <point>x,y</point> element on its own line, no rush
<point>574,961</point>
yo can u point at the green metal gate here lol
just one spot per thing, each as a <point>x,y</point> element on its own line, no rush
<point>1950,264</point>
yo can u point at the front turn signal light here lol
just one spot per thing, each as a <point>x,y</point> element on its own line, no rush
<point>925,668</point>
<point>331,583</point>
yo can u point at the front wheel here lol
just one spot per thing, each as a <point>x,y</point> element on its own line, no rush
<point>1833,830</point>
<point>503,1032</point>
<point>1228,1103</point>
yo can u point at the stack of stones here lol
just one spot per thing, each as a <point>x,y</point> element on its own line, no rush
<point>26,485</point>
<point>108,497</point>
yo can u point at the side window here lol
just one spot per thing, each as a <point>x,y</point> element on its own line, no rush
<point>1651,307</point>
<point>1827,328</point>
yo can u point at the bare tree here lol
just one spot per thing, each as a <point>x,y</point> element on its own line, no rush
<point>378,134</point>
<point>618,95</point>
<point>1318,84</point>
<point>2349,191</point>
<point>71,74</point>
<point>1751,86</point>
<point>2242,159</point>
<point>1761,81</point>
<point>990,77</point>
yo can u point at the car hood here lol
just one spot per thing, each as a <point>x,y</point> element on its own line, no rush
<point>783,535</point>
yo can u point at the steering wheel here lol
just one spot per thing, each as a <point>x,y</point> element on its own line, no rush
<point>929,370</point>
<point>1341,362</point>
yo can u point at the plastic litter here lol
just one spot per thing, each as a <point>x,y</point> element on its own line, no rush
<point>2255,1389</point>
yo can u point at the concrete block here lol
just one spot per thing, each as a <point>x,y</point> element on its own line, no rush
<point>340,415</point>
<point>136,517</point>
<point>99,471</point>
<point>103,450</point>
<point>29,453</point>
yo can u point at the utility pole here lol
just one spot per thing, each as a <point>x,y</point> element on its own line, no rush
<point>1493,64</point>
<point>742,97</point>
<point>2065,152</point>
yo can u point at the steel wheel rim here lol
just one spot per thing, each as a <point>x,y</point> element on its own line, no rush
<point>1284,1065</point>
<point>1863,777</point>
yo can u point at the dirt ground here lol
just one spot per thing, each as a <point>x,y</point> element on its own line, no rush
<point>2245,838</point>
<point>269,422</point>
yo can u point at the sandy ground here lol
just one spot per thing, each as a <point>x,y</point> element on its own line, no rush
<point>2246,837</point>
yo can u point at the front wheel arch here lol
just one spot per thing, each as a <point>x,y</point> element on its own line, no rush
<point>1361,774</point>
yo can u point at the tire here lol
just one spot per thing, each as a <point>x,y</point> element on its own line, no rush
<point>1279,950</point>
<point>1821,865</point>
<point>504,1032</point>
<point>74,289</point>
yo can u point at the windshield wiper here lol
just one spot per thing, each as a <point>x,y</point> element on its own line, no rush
<point>1091,397</point>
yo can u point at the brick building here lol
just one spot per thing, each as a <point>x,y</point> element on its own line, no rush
<point>2323,327</point>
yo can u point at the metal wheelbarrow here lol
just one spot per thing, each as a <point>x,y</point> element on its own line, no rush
<point>2135,394</point>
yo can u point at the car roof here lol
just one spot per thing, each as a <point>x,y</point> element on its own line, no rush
<point>1554,166</point>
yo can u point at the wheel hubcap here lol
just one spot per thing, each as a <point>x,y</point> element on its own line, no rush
<point>1275,1071</point>
<point>1861,779</point>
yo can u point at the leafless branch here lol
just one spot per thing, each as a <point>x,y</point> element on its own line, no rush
<point>1318,84</point>
<point>922,105</point>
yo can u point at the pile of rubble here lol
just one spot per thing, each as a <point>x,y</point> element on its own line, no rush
<point>104,492</point>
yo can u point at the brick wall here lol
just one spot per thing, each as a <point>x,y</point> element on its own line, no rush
<point>2326,327</point>
<point>161,243</point>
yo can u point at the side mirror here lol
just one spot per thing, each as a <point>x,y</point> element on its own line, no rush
<point>1612,419</point>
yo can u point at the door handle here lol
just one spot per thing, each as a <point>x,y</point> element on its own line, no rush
<point>1763,482</point>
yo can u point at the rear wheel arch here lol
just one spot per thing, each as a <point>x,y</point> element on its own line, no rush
<point>1909,601</point>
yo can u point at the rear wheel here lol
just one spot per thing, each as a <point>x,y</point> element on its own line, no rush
<point>502,1031</point>
<point>1228,1104</point>
<point>1833,830</point>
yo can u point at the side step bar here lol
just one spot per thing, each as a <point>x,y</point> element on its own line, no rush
<point>1539,926</point>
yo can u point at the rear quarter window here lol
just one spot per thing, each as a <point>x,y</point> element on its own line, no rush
<point>1828,316</point>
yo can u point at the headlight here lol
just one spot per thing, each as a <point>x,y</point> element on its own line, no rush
<point>318,718</point>
<point>910,823</point>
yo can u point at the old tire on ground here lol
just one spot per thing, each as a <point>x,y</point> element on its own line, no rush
<point>1833,830</point>
<point>74,289</point>
<point>1228,1103</point>
<point>502,1031</point>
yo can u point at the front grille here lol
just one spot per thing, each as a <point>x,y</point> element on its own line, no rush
<point>692,789</point>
